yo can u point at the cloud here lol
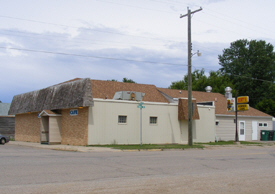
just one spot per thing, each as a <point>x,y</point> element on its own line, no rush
<point>28,71</point>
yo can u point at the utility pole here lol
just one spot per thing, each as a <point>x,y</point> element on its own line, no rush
<point>190,114</point>
<point>236,117</point>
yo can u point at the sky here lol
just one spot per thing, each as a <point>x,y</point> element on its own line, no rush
<point>43,43</point>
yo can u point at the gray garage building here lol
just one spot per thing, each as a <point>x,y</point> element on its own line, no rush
<point>7,122</point>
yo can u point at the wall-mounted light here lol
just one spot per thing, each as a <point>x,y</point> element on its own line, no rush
<point>80,107</point>
<point>198,53</point>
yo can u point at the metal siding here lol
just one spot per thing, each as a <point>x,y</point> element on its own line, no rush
<point>226,128</point>
<point>7,126</point>
<point>225,131</point>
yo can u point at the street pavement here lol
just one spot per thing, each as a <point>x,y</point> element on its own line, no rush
<point>30,168</point>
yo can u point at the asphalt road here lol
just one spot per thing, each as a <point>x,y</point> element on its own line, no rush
<point>220,170</point>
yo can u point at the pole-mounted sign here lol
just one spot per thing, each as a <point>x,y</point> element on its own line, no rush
<point>242,99</point>
<point>242,106</point>
<point>230,104</point>
<point>140,107</point>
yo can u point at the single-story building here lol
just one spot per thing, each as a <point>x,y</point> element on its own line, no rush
<point>7,122</point>
<point>91,112</point>
<point>250,123</point>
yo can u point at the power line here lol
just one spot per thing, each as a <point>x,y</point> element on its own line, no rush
<point>137,7</point>
<point>89,56</point>
<point>31,35</point>
<point>256,79</point>
<point>67,26</point>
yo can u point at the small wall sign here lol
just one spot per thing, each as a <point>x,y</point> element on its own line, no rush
<point>73,112</point>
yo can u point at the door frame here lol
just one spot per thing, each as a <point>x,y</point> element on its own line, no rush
<point>255,130</point>
<point>241,137</point>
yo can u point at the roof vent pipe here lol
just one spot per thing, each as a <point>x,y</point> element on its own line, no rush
<point>228,93</point>
<point>208,89</point>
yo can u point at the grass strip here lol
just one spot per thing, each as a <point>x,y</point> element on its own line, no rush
<point>149,146</point>
<point>230,143</point>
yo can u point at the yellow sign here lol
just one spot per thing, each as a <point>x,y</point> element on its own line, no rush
<point>242,99</point>
<point>242,107</point>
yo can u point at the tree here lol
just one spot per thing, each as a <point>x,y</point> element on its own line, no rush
<point>266,105</point>
<point>251,67</point>
<point>128,80</point>
<point>216,80</point>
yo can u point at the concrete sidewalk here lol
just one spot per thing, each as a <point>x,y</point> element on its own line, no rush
<point>63,147</point>
<point>103,149</point>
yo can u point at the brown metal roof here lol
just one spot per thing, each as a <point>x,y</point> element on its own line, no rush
<point>219,99</point>
<point>107,89</point>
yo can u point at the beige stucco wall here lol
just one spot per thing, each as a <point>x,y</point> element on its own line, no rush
<point>205,126</point>
<point>226,128</point>
<point>74,129</point>
<point>27,127</point>
<point>105,129</point>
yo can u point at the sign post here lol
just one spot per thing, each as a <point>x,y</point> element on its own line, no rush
<point>236,119</point>
<point>140,107</point>
<point>236,104</point>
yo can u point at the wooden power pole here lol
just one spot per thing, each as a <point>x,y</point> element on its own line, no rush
<point>190,114</point>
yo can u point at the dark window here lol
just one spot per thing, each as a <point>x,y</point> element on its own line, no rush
<point>153,120</point>
<point>122,119</point>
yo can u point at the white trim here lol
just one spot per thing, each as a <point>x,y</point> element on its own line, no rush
<point>263,117</point>
<point>145,103</point>
<point>135,102</point>
<point>240,130</point>
<point>52,115</point>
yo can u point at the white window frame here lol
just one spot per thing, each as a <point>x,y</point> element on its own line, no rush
<point>122,123</point>
<point>153,123</point>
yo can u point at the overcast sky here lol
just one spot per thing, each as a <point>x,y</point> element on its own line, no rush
<point>43,43</point>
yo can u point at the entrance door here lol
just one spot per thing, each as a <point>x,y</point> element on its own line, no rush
<point>242,131</point>
<point>44,129</point>
<point>254,130</point>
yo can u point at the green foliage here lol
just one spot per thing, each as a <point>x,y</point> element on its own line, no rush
<point>267,106</point>
<point>229,143</point>
<point>250,65</point>
<point>128,80</point>
<point>216,80</point>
